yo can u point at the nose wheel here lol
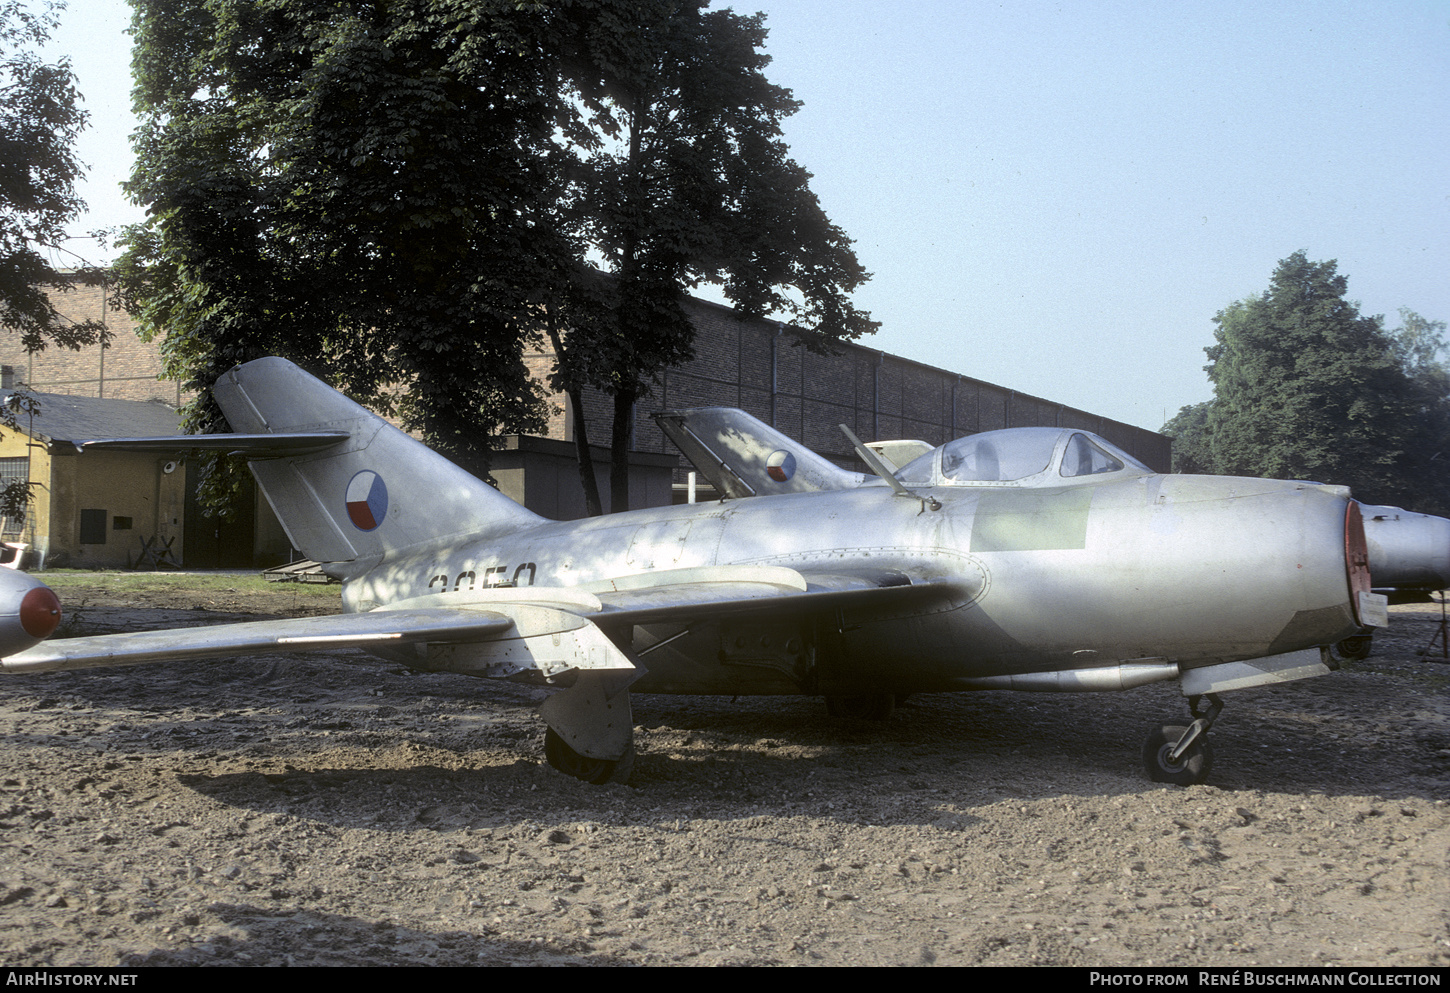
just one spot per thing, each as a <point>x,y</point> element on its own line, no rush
<point>1180,754</point>
<point>1356,648</point>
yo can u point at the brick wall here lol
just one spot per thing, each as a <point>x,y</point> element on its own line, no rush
<point>751,364</point>
<point>127,369</point>
<point>738,363</point>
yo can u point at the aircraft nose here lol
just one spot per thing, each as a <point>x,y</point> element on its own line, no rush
<point>29,612</point>
<point>40,612</point>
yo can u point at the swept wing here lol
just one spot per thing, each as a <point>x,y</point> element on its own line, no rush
<point>544,631</point>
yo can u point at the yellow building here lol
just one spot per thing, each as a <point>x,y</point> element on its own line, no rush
<point>102,510</point>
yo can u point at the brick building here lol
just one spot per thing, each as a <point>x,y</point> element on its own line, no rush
<point>753,365</point>
<point>748,363</point>
<point>126,369</point>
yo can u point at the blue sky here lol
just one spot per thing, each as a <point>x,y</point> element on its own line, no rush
<point>1058,197</point>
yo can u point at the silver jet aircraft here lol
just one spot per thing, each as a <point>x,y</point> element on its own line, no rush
<point>1031,559</point>
<point>1407,551</point>
<point>1409,556</point>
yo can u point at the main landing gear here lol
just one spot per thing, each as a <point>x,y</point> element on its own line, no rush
<point>1182,755</point>
<point>596,771</point>
<point>591,728</point>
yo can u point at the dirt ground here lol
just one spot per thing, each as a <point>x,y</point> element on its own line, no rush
<point>339,810</point>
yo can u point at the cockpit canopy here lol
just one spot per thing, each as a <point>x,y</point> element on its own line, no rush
<point>1020,457</point>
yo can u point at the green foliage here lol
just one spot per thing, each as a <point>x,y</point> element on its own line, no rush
<point>354,186</point>
<point>1419,345</point>
<point>1305,387</point>
<point>404,197</point>
<point>1189,431</point>
<point>679,176</point>
<point>40,119</point>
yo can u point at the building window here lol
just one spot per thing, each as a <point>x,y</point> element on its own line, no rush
<point>15,470</point>
<point>120,524</point>
<point>93,527</point>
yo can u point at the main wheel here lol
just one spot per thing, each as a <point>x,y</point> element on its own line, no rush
<point>1191,768</point>
<point>1355,648</point>
<point>597,771</point>
<point>866,707</point>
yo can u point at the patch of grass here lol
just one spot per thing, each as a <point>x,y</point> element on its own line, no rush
<point>250,583</point>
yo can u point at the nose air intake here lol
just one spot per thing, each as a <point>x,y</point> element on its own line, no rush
<point>40,612</point>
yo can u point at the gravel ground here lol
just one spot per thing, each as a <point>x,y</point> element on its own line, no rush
<point>339,810</point>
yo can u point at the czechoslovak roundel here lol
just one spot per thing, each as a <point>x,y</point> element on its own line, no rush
<point>367,500</point>
<point>780,466</point>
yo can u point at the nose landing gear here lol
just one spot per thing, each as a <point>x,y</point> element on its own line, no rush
<point>1182,755</point>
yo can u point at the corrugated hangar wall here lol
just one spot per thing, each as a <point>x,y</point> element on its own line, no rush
<point>751,364</point>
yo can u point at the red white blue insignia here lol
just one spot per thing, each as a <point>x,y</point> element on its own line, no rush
<point>780,466</point>
<point>367,500</point>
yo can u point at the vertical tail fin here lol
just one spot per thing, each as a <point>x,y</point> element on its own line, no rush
<point>743,456</point>
<point>376,493</point>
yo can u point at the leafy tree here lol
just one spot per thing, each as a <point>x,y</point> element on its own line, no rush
<point>404,196</point>
<point>1189,431</point>
<point>357,186</point>
<point>40,119</point>
<point>1419,345</point>
<point>1308,388</point>
<point>682,177</point>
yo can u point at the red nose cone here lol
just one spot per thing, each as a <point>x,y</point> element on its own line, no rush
<point>39,612</point>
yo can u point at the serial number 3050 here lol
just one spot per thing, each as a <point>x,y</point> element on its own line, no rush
<point>497,575</point>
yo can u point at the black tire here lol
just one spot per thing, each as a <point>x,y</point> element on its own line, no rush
<point>596,771</point>
<point>1190,770</point>
<point>866,707</point>
<point>1355,648</point>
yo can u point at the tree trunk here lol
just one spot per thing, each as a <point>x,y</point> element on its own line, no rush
<point>592,504</point>
<point>619,452</point>
<point>627,390</point>
<point>575,392</point>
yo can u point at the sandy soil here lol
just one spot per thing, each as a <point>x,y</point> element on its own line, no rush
<point>339,810</point>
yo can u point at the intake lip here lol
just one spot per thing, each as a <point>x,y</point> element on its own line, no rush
<point>40,612</point>
<point>1356,556</point>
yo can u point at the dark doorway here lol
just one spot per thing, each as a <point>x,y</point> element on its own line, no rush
<point>213,543</point>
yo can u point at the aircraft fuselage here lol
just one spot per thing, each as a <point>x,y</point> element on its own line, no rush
<point>1178,570</point>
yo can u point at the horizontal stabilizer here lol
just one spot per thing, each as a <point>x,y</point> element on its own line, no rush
<point>254,446</point>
